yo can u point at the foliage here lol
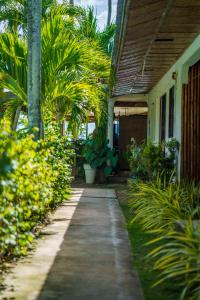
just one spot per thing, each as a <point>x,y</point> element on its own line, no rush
<point>100,156</point>
<point>13,73</point>
<point>178,259</point>
<point>70,75</point>
<point>170,210</point>
<point>31,179</point>
<point>75,70</point>
<point>72,80</point>
<point>88,28</point>
<point>147,161</point>
<point>60,160</point>
<point>157,205</point>
<point>145,267</point>
<point>13,13</point>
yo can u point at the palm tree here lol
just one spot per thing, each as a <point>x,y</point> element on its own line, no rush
<point>73,61</point>
<point>13,75</point>
<point>71,77</point>
<point>88,28</point>
<point>109,12</point>
<point>34,66</point>
<point>13,13</point>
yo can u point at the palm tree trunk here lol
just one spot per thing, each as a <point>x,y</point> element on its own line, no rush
<point>34,66</point>
<point>62,128</point>
<point>16,119</point>
<point>71,2</point>
<point>109,12</point>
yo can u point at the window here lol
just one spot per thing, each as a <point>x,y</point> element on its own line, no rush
<point>152,121</point>
<point>171,112</point>
<point>162,117</point>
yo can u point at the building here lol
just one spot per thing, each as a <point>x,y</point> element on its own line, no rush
<point>156,61</point>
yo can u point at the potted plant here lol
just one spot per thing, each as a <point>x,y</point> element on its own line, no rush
<point>98,157</point>
<point>89,156</point>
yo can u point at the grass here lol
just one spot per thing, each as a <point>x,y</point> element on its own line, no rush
<point>145,270</point>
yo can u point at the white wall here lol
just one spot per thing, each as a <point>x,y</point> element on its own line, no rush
<point>181,67</point>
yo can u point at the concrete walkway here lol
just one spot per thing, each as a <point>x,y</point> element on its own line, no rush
<point>90,259</point>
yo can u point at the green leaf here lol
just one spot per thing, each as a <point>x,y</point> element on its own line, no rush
<point>107,171</point>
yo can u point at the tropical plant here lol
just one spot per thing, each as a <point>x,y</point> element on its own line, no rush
<point>176,255</point>
<point>13,74</point>
<point>88,28</point>
<point>158,206</point>
<point>14,13</point>
<point>147,161</point>
<point>100,157</point>
<point>71,78</point>
<point>74,87</point>
<point>170,212</point>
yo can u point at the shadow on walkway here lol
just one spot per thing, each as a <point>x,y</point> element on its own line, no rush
<point>94,261</point>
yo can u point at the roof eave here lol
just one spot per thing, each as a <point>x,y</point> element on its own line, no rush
<point>121,21</point>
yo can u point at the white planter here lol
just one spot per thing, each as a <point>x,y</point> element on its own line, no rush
<point>89,174</point>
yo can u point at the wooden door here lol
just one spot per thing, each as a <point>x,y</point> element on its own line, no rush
<point>130,127</point>
<point>190,150</point>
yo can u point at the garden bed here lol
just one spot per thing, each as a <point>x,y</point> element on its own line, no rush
<point>145,268</point>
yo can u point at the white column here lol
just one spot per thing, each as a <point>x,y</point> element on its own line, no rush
<point>110,122</point>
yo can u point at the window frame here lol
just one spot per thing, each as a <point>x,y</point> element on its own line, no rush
<point>171,112</point>
<point>163,116</point>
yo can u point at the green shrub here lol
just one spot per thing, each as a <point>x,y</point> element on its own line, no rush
<point>147,161</point>
<point>61,160</point>
<point>158,205</point>
<point>33,179</point>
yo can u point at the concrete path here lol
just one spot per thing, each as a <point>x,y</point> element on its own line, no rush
<point>90,259</point>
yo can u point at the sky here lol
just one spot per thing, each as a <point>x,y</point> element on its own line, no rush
<point>101,8</point>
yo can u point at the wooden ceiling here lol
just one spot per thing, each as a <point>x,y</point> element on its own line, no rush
<point>155,34</point>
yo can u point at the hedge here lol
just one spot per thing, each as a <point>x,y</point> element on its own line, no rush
<point>34,178</point>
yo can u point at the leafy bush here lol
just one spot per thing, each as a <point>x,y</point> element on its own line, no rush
<point>147,161</point>
<point>100,156</point>
<point>33,179</point>
<point>60,160</point>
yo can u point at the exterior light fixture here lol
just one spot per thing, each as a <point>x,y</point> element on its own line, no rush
<point>174,75</point>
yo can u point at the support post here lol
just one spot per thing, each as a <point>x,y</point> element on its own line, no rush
<point>182,78</point>
<point>110,122</point>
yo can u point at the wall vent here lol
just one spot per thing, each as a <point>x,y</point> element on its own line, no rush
<point>164,40</point>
